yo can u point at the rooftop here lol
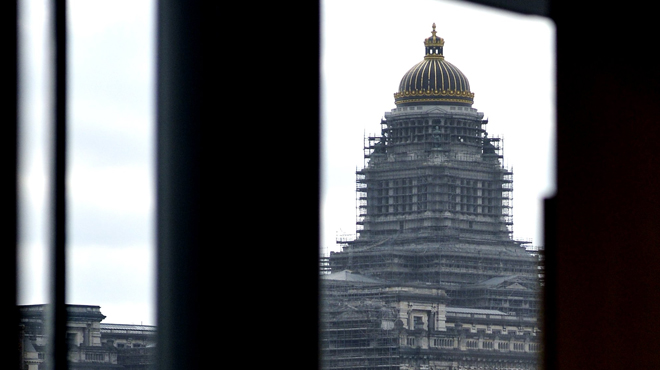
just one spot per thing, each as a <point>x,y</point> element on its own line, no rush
<point>127,328</point>
<point>473,311</point>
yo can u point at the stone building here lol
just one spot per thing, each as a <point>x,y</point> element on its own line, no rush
<point>92,345</point>
<point>368,324</point>
<point>434,218</point>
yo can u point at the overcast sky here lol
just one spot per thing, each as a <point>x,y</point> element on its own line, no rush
<point>368,45</point>
<point>111,163</point>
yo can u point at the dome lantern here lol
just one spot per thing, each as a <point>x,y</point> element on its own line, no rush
<point>434,44</point>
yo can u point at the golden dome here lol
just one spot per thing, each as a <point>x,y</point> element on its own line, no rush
<point>434,81</point>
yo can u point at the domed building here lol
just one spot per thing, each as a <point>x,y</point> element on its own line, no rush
<point>433,174</point>
<point>434,211</point>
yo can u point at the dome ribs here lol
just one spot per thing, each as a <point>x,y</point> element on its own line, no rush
<point>434,80</point>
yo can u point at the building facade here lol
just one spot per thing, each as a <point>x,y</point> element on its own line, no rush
<point>92,345</point>
<point>371,324</point>
<point>434,212</point>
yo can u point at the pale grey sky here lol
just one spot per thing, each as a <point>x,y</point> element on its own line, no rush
<point>111,163</point>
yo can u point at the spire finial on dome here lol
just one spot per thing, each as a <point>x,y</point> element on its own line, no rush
<point>434,44</point>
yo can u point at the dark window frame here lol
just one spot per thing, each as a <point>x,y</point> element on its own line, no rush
<point>575,57</point>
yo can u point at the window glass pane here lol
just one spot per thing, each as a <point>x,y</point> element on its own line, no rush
<point>110,198</point>
<point>111,158</point>
<point>366,48</point>
<point>450,104</point>
<point>33,171</point>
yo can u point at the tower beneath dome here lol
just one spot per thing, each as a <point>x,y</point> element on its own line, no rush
<point>433,278</point>
<point>434,181</point>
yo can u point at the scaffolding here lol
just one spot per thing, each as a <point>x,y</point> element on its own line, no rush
<point>420,167</point>
<point>538,252</point>
<point>375,325</point>
<point>357,329</point>
<point>445,263</point>
<point>324,265</point>
<point>513,295</point>
<point>433,206</point>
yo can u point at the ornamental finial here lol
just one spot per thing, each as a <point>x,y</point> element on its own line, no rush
<point>434,44</point>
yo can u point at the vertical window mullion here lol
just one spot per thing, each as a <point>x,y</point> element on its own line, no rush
<point>9,169</point>
<point>58,315</point>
